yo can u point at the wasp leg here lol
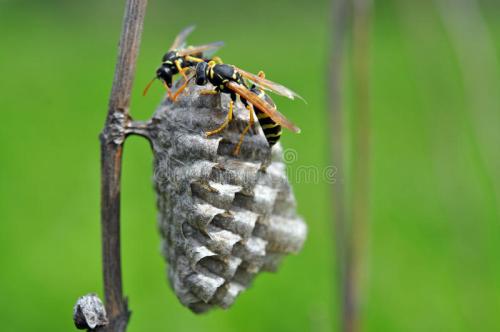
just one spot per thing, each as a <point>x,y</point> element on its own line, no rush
<point>261,74</point>
<point>179,91</point>
<point>245,131</point>
<point>186,80</point>
<point>180,69</point>
<point>194,59</point>
<point>226,122</point>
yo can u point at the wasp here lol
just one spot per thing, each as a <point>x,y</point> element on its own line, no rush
<point>232,80</point>
<point>179,59</point>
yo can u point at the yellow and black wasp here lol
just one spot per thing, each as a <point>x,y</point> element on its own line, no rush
<point>231,80</point>
<point>226,79</point>
<point>179,59</point>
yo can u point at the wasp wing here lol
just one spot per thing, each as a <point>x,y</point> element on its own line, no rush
<point>200,49</point>
<point>269,85</point>
<point>181,38</point>
<point>257,102</point>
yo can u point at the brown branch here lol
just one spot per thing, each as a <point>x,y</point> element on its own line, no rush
<point>112,138</point>
<point>340,20</point>
<point>360,203</point>
<point>351,215</point>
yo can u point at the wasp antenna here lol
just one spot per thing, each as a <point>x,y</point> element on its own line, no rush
<point>148,86</point>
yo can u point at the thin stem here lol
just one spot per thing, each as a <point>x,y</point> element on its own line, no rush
<point>470,36</point>
<point>112,138</point>
<point>127,55</point>
<point>359,233</point>
<point>340,20</point>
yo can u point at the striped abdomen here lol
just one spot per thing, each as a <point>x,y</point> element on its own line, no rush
<point>271,129</point>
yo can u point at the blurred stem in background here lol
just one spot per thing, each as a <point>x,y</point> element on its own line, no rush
<point>340,18</point>
<point>475,49</point>
<point>360,204</point>
<point>351,213</point>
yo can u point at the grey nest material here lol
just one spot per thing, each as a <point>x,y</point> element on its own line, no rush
<point>223,219</point>
<point>89,312</point>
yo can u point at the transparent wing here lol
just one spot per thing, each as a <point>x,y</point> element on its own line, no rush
<point>180,40</point>
<point>201,49</point>
<point>263,106</point>
<point>269,85</point>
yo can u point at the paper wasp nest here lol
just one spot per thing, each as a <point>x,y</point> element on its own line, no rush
<point>223,219</point>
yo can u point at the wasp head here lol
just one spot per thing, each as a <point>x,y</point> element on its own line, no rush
<point>165,74</point>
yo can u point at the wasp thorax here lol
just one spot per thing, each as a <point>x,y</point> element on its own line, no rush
<point>202,73</point>
<point>223,219</point>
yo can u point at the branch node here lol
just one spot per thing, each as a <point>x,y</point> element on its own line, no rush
<point>114,131</point>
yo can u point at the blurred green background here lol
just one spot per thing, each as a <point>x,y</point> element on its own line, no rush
<point>434,251</point>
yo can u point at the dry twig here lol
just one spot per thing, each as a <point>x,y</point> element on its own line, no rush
<point>112,139</point>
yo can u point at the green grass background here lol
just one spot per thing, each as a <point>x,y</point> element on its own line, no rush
<point>434,250</point>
